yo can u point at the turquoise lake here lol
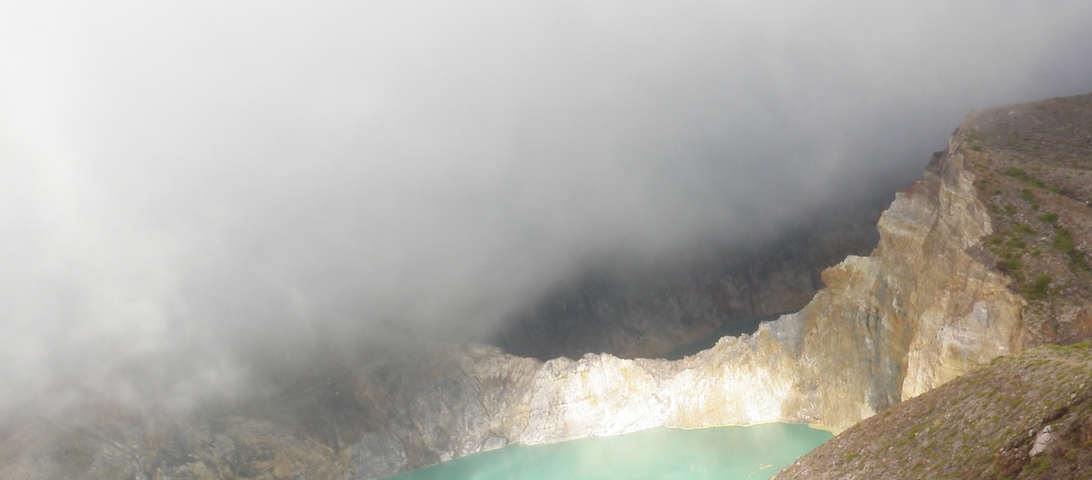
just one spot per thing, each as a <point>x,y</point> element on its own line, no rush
<point>723,453</point>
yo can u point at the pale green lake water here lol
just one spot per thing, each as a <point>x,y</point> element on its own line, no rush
<point>723,453</point>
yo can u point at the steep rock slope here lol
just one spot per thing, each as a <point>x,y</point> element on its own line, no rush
<point>921,310</point>
<point>1025,416</point>
<point>1034,169</point>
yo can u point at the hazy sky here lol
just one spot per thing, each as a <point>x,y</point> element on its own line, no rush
<point>179,180</point>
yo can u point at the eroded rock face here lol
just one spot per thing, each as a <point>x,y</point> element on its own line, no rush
<point>921,310</point>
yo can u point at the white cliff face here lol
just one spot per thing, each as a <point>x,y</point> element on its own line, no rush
<point>965,314</point>
<point>740,381</point>
<point>921,310</point>
<point>933,309</point>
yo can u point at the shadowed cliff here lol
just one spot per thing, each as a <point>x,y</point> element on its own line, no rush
<point>633,311</point>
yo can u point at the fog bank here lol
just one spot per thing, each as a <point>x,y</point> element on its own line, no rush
<point>186,185</point>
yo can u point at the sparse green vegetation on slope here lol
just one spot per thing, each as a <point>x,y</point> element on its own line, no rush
<point>1033,166</point>
<point>982,425</point>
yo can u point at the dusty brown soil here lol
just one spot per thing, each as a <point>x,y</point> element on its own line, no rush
<point>981,425</point>
<point>1034,164</point>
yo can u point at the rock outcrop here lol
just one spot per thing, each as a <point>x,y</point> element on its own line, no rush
<point>928,305</point>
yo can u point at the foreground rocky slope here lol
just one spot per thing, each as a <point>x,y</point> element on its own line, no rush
<point>928,305</point>
<point>1025,416</point>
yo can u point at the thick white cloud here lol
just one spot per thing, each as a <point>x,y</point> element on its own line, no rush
<point>184,181</point>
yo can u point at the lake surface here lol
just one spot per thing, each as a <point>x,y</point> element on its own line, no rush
<point>724,453</point>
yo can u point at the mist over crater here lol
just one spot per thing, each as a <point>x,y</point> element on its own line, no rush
<point>191,190</point>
